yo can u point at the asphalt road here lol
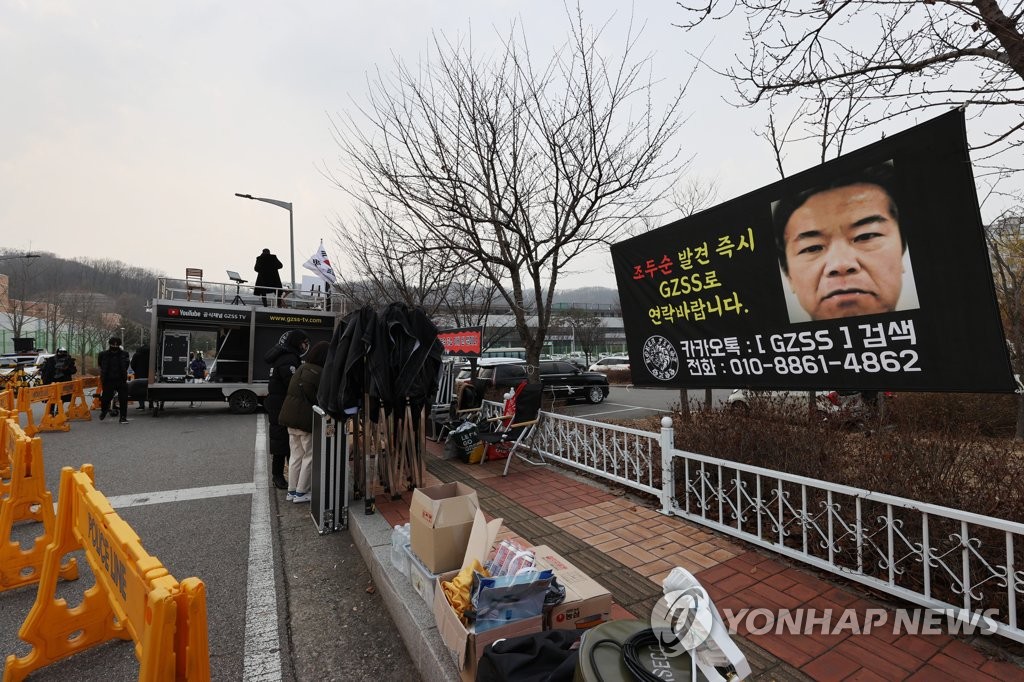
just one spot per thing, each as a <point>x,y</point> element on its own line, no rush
<point>627,402</point>
<point>283,602</point>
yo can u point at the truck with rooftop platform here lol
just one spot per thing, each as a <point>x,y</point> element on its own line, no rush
<point>234,324</point>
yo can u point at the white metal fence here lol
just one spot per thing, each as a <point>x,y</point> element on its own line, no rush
<point>626,456</point>
<point>966,564</point>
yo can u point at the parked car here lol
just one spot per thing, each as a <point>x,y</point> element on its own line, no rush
<point>560,379</point>
<point>29,363</point>
<point>485,363</point>
<point>565,380</point>
<point>611,363</point>
<point>577,359</point>
<point>847,405</point>
<point>743,399</point>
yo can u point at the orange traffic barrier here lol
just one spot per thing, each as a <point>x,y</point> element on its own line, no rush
<point>78,408</point>
<point>5,450</point>
<point>94,382</point>
<point>7,400</point>
<point>25,497</point>
<point>134,598</point>
<point>53,419</point>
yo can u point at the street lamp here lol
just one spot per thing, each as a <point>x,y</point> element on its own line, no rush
<point>291,227</point>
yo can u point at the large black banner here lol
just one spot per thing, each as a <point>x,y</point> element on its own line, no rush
<point>867,272</point>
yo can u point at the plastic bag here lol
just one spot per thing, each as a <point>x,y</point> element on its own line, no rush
<point>497,601</point>
<point>466,435</point>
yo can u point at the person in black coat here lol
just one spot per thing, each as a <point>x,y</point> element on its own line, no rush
<point>268,281</point>
<point>284,360</point>
<point>59,368</point>
<point>297,415</point>
<point>114,377</point>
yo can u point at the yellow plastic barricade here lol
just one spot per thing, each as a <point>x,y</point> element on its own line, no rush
<point>24,497</point>
<point>10,434</point>
<point>134,596</point>
<point>7,400</point>
<point>78,408</point>
<point>50,422</point>
<point>6,450</point>
<point>94,382</point>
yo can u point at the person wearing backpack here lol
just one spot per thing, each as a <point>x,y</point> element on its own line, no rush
<point>297,415</point>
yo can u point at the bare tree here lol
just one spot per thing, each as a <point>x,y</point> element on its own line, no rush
<point>52,306</point>
<point>512,171</point>
<point>693,194</point>
<point>469,300</point>
<point>586,327</point>
<point>379,269</point>
<point>84,324</point>
<point>826,121</point>
<point>382,270</point>
<point>899,56</point>
<point>16,288</point>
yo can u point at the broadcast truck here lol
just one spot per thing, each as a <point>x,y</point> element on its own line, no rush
<point>237,327</point>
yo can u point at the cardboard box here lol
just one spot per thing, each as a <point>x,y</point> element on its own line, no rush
<point>467,647</point>
<point>441,519</point>
<point>423,581</point>
<point>586,603</point>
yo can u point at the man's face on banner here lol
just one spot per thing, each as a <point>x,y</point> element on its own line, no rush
<point>844,252</point>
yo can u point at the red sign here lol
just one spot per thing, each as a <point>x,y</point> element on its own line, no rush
<point>466,341</point>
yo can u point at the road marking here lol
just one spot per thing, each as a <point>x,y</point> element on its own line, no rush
<point>262,660</point>
<point>165,496</point>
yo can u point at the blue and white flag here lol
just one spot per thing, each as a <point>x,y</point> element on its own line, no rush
<point>321,265</point>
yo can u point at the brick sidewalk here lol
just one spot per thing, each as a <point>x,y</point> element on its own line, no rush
<point>629,548</point>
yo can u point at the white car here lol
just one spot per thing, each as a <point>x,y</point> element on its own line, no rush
<point>611,363</point>
<point>30,364</point>
<point>743,399</point>
<point>826,403</point>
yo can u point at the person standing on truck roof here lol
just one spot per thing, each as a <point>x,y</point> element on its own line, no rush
<point>268,281</point>
<point>114,377</point>
<point>284,360</point>
<point>297,416</point>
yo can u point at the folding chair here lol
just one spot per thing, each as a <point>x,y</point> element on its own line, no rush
<point>521,425</point>
<point>194,282</point>
<point>469,398</point>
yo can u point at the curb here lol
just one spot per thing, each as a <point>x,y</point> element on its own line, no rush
<point>411,615</point>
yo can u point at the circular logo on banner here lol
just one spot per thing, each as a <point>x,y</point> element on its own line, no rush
<point>682,620</point>
<point>661,358</point>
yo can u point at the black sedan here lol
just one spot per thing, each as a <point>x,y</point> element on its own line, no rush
<point>560,380</point>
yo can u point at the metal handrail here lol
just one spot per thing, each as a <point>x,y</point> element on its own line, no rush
<point>175,289</point>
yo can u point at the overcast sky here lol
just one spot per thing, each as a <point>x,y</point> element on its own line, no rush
<point>128,126</point>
